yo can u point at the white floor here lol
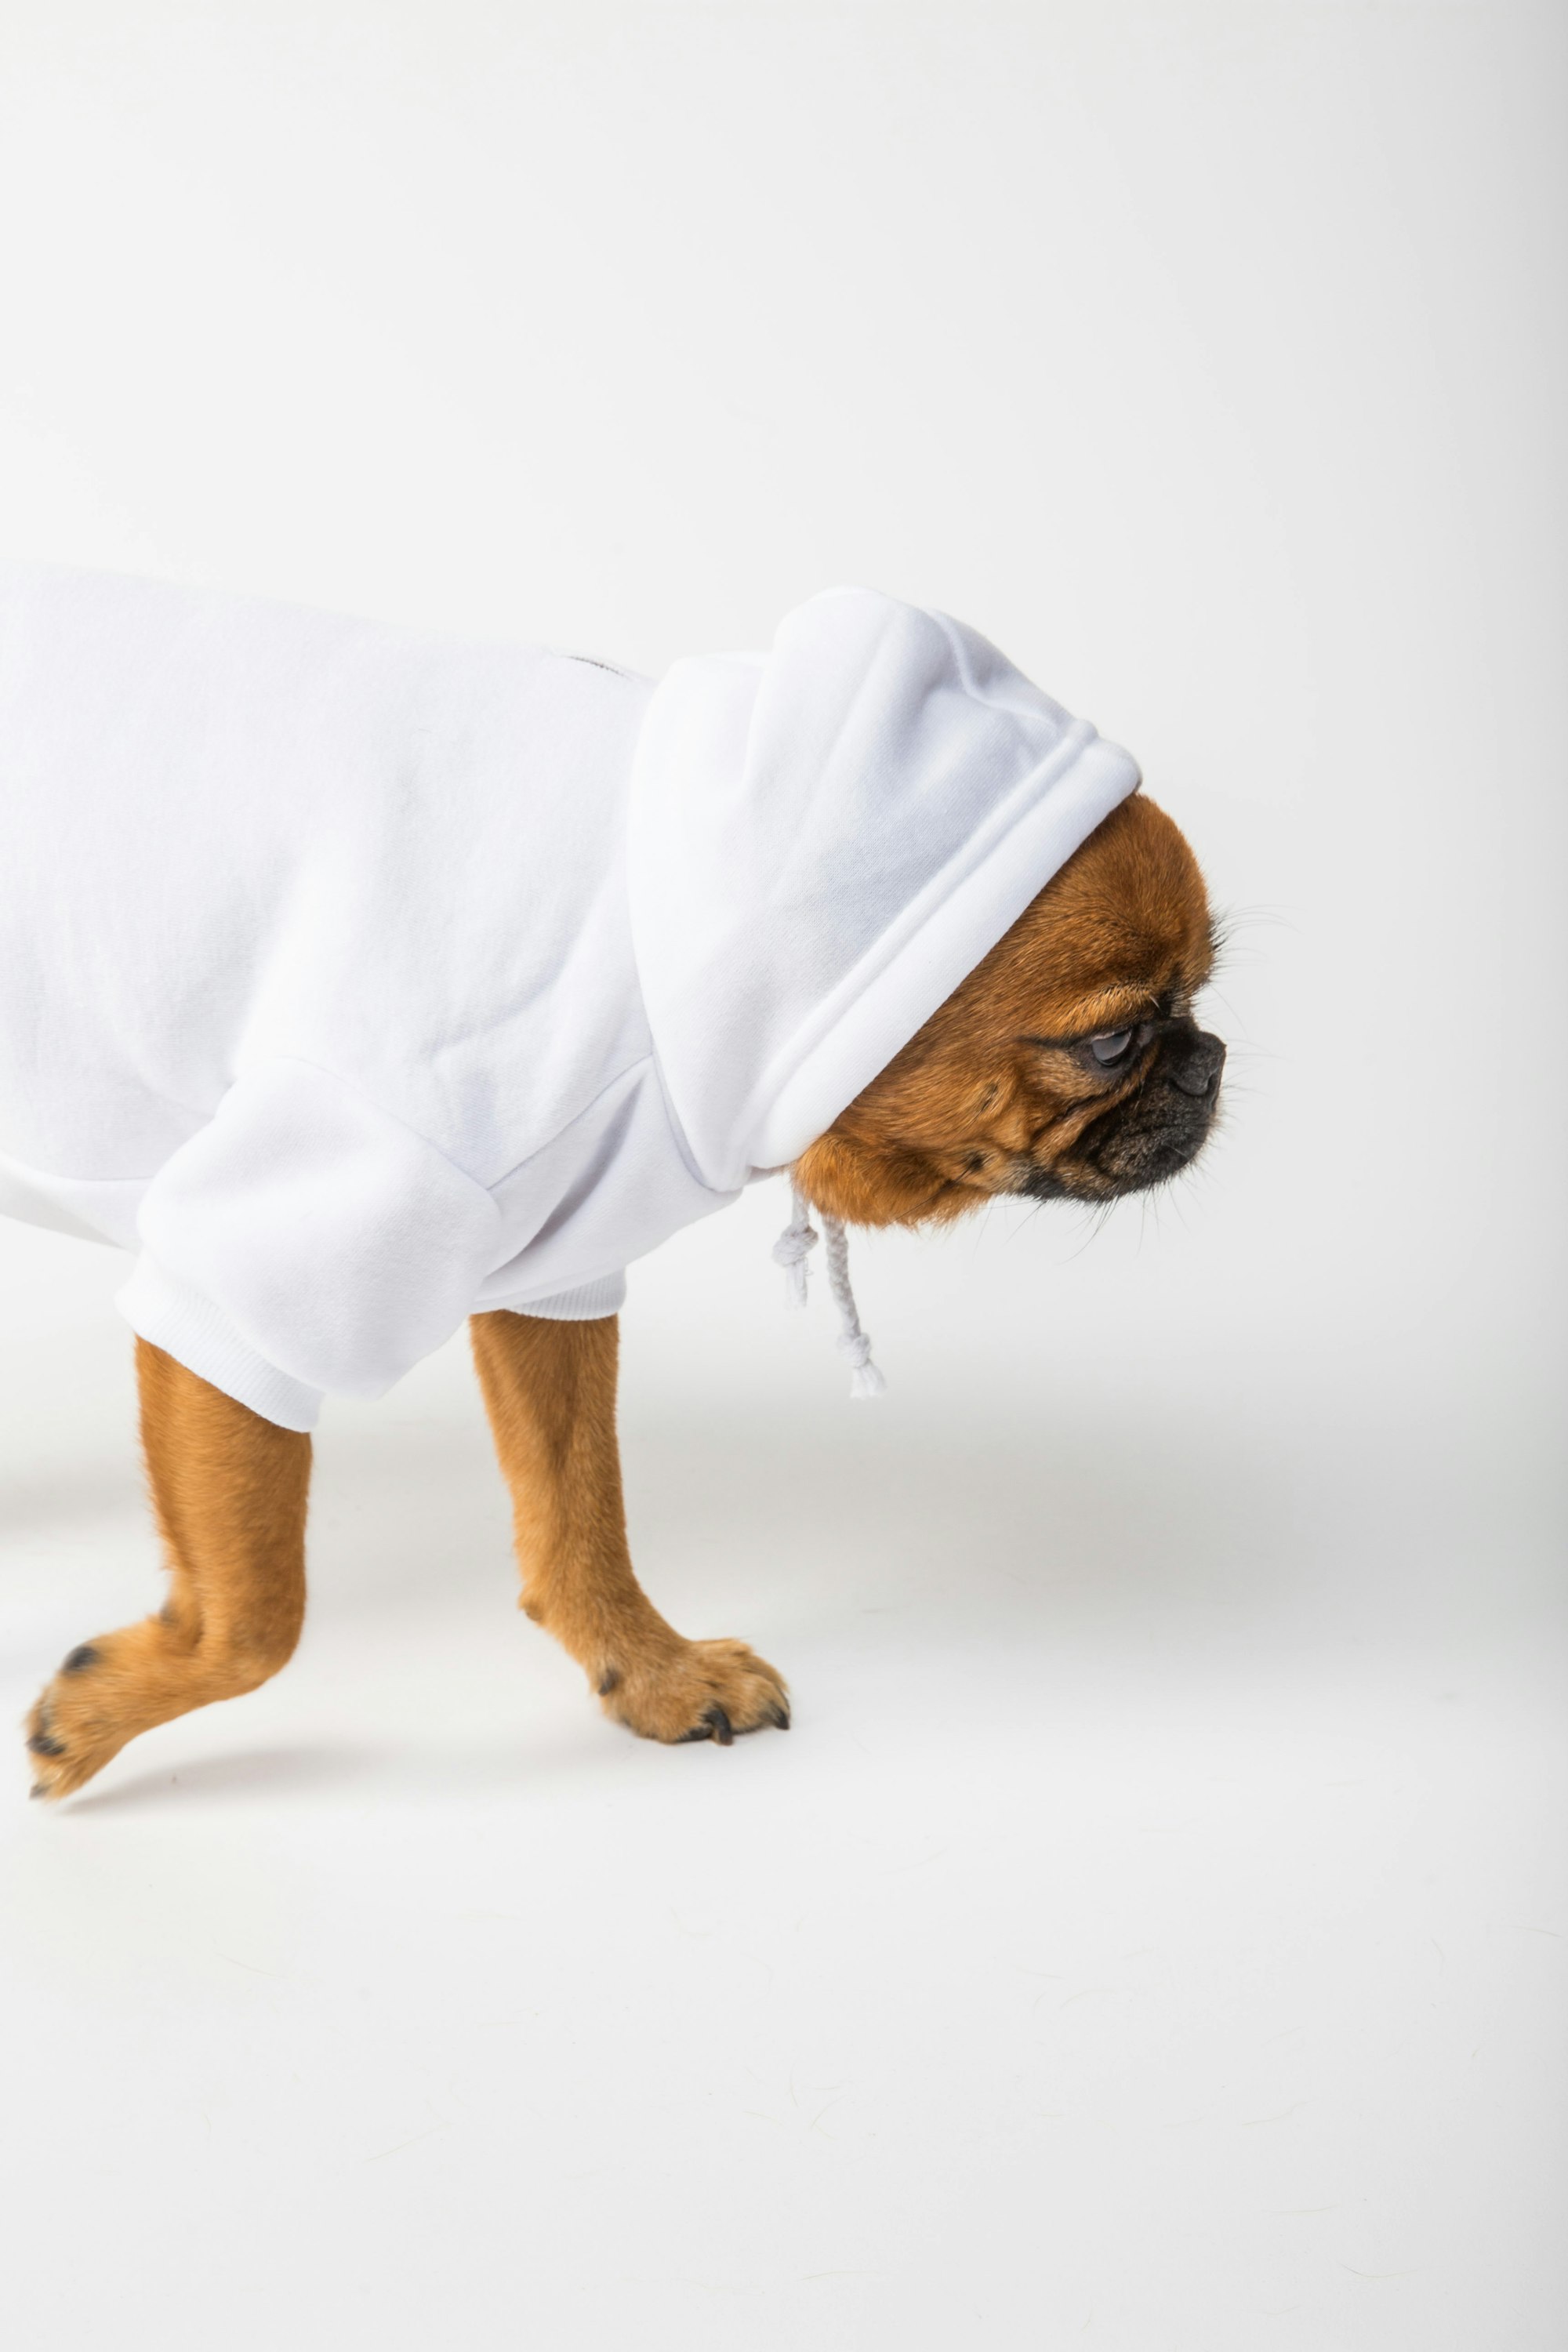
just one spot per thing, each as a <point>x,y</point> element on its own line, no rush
<point>1152,1932</point>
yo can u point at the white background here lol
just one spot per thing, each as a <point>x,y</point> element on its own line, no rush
<point>1152,1933</point>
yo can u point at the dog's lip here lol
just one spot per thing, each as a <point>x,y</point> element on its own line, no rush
<point>1036,1182</point>
<point>1170,1158</point>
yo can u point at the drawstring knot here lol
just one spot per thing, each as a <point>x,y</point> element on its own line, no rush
<point>791,1251</point>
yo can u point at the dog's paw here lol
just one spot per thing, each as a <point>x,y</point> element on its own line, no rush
<point>70,1734</point>
<point>704,1690</point>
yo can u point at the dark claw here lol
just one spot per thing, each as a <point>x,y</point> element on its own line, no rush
<point>779,1717</point>
<point>722,1728</point>
<point>42,1744</point>
<point>612,1678</point>
<point>37,1790</point>
<point>81,1658</point>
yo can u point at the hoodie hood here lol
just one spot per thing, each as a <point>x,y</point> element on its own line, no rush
<point>823,841</point>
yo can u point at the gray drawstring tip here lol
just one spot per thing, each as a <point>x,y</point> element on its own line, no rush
<point>791,1251</point>
<point>865,1379</point>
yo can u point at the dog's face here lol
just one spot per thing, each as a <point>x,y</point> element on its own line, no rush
<point>1068,1065</point>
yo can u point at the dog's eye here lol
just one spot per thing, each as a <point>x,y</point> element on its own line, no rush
<point>1111,1047</point>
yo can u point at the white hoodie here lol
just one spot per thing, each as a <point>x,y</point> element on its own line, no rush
<point>360,978</point>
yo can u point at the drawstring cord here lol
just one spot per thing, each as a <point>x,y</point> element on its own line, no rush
<point>791,1251</point>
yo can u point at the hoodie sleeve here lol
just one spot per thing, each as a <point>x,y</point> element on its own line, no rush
<point>305,1241</point>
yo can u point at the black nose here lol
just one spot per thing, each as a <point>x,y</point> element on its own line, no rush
<point>1196,1068</point>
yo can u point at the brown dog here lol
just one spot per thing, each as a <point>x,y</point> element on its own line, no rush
<point>1068,1064</point>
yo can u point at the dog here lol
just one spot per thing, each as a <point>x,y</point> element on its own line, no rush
<point>994,940</point>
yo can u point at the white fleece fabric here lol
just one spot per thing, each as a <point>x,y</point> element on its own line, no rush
<point>359,978</point>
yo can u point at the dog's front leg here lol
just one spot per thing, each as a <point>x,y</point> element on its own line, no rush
<point>550,1392</point>
<point>228,1492</point>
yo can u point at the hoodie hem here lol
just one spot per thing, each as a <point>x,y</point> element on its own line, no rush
<point>187,1325</point>
<point>589,1302</point>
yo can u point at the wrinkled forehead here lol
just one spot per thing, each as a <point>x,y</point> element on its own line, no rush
<point>1152,983</point>
<point>1164,990</point>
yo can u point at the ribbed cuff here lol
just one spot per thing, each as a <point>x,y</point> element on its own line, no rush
<point>586,1304</point>
<point>188,1327</point>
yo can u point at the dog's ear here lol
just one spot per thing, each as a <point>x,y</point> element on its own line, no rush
<point>867,1184</point>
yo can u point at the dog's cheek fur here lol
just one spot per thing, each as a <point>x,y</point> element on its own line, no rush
<point>863,1184</point>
